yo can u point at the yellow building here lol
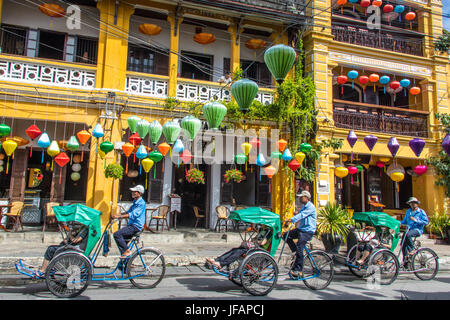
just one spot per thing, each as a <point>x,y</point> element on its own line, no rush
<point>105,61</point>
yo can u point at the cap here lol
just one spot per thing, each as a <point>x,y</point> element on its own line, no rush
<point>412,199</point>
<point>138,188</point>
<point>304,193</point>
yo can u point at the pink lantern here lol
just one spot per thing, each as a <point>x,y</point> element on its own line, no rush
<point>352,170</point>
<point>420,169</point>
<point>381,165</point>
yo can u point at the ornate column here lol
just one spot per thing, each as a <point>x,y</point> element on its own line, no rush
<point>235,53</point>
<point>175,20</point>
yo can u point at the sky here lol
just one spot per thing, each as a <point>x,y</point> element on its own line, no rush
<point>446,11</point>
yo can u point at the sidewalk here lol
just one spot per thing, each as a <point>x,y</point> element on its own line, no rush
<point>185,250</point>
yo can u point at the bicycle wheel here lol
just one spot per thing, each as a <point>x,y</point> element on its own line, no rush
<point>351,257</point>
<point>318,270</point>
<point>426,262</point>
<point>259,273</point>
<point>384,266</point>
<point>146,268</point>
<point>68,274</point>
<point>233,268</point>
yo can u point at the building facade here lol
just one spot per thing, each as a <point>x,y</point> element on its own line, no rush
<point>105,61</point>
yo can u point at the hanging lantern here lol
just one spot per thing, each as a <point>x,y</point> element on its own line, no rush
<point>397,177</point>
<point>363,80</point>
<point>53,150</point>
<point>281,144</point>
<point>340,172</point>
<point>214,113</point>
<point>127,149</point>
<point>156,156</point>
<point>260,161</point>
<point>420,169</point>
<point>52,10</point>
<point>240,158</point>
<point>374,78</point>
<point>276,155</point>
<point>352,75</point>
<point>255,44</point>
<point>255,142</point>
<point>9,146</point>
<point>342,79</point>
<point>61,159</point>
<point>141,153</point>
<point>279,60</point>
<point>370,142</point>
<point>410,16</point>
<point>394,85</point>
<point>399,9</point>
<point>171,131</point>
<point>351,139</point>
<point>305,147</point>
<point>132,123</point>
<point>134,139</point>
<point>388,8</point>
<point>417,146</point>
<point>300,157</point>
<point>377,3</point>
<point>192,125</point>
<point>147,164</point>
<point>381,165</point>
<point>98,131</point>
<point>75,176</point>
<point>365,4</point>
<point>294,165</point>
<point>384,80</point>
<point>246,148</point>
<point>33,132</point>
<point>72,145</point>
<point>5,130</point>
<point>393,146</point>
<point>44,143</point>
<point>244,92</point>
<point>142,128</point>
<point>204,38</point>
<point>287,155</point>
<point>395,168</point>
<point>164,148</point>
<point>150,29</point>
<point>414,91</point>
<point>106,147</point>
<point>83,136</point>
<point>178,146</point>
<point>446,144</point>
<point>155,131</point>
<point>270,172</point>
<point>404,83</point>
<point>352,170</point>
<point>186,156</point>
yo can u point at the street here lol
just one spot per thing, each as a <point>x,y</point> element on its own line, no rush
<point>212,286</point>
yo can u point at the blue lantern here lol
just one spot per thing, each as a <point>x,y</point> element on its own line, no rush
<point>404,83</point>
<point>260,161</point>
<point>287,155</point>
<point>141,154</point>
<point>178,147</point>
<point>384,80</point>
<point>352,75</point>
<point>399,9</point>
<point>353,2</point>
<point>44,143</point>
<point>98,131</point>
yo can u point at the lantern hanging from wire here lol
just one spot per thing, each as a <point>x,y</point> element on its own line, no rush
<point>374,78</point>
<point>150,29</point>
<point>72,145</point>
<point>341,172</point>
<point>171,131</point>
<point>279,60</point>
<point>255,44</point>
<point>53,150</point>
<point>399,9</point>
<point>192,125</point>
<point>33,132</point>
<point>270,172</point>
<point>132,123</point>
<point>204,38</point>
<point>394,85</point>
<point>83,136</point>
<point>244,92</point>
<point>342,79</point>
<point>164,148</point>
<point>147,164</point>
<point>352,75</point>
<point>5,130</point>
<point>363,80</point>
<point>260,162</point>
<point>156,156</point>
<point>384,80</point>
<point>414,91</point>
<point>127,149</point>
<point>370,142</point>
<point>10,147</point>
<point>44,143</point>
<point>404,83</point>
<point>61,160</point>
<point>351,139</point>
<point>410,16</point>
<point>417,146</point>
<point>155,131</point>
<point>52,10</point>
<point>214,113</point>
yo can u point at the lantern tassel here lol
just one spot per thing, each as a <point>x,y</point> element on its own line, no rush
<point>163,166</point>
<point>82,155</point>
<point>51,169</point>
<point>126,167</point>
<point>154,173</point>
<point>60,174</point>
<point>42,159</point>
<point>71,157</point>
<point>146,181</point>
<point>7,166</point>
<point>31,150</point>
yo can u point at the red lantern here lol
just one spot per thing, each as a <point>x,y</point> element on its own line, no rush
<point>33,132</point>
<point>365,4</point>
<point>352,170</point>
<point>62,159</point>
<point>388,8</point>
<point>420,169</point>
<point>363,80</point>
<point>255,143</point>
<point>294,165</point>
<point>186,156</point>
<point>83,136</point>
<point>377,3</point>
<point>381,165</point>
<point>135,139</point>
<point>394,85</point>
<point>341,80</point>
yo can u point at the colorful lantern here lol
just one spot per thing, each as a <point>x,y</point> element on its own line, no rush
<point>300,157</point>
<point>9,146</point>
<point>52,10</point>
<point>204,38</point>
<point>397,177</point>
<point>352,75</point>
<point>164,148</point>
<point>134,139</point>
<point>178,146</point>
<point>214,113</point>
<point>381,165</point>
<point>363,80</point>
<point>417,146</point>
<point>255,143</point>
<point>365,4</point>
<point>388,8</point>
<point>240,158</point>
<point>61,160</point>
<point>186,156</point>
<point>287,155</point>
<point>279,60</point>
<point>370,141</point>
<point>98,131</point>
<point>414,91</point>
<point>132,123</point>
<point>192,125</point>
<point>281,144</point>
<point>33,132</point>
<point>260,162</point>
<point>255,44</point>
<point>53,150</point>
<point>342,79</point>
<point>147,164</point>
<point>127,149</point>
<point>106,147</point>
<point>75,176</point>
<point>44,143</point>
<point>384,80</point>
<point>394,85</point>
<point>156,156</point>
<point>150,29</point>
<point>340,172</point>
<point>270,172</point>
<point>244,92</point>
<point>352,170</point>
<point>393,146</point>
<point>305,147</point>
<point>143,126</point>
<point>399,9</point>
<point>276,155</point>
<point>446,144</point>
<point>374,78</point>
<point>155,131</point>
<point>141,153</point>
<point>72,145</point>
<point>377,3</point>
<point>404,83</point>
<point>5,130</point>
<point>351,139</point>
<point>171,131</point>
<point>420,169</point>
<point>410,16</point>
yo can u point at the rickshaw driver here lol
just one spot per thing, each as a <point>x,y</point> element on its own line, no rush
<point>136,220</point>
<point>307,224</point>
<point>416,219</point>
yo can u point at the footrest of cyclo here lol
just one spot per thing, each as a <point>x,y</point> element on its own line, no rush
<point>25,268</point>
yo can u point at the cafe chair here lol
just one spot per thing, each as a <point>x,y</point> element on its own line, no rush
<point>162,215</point>
<point>222,217</point>
<point>15,213</point>
<point>198,216</point>
<point>50,217</point>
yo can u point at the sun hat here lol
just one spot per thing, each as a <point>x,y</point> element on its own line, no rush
<point>412,199</point>
<point>304,193</point>
<point>138,188</point>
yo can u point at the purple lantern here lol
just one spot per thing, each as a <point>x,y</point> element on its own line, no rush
<point>416,146</point>
<point>446,144</point>
<point>370,141</point>
<point>351,138</point>
<point>393,146</point>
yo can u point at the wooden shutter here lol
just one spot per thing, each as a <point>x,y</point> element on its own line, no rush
<point>18,172</point>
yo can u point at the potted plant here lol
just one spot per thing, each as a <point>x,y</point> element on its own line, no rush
<point>233,175</point>
<point>114,171</point>
<point>438,224</point>
<point>332,226</point>
<point>195,176</point>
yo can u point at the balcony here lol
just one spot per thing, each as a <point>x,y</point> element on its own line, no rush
<point>377,39</point>
<point>376,118</point>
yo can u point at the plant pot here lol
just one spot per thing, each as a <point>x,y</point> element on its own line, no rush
<point>332,245</point>
<point>447,233</point>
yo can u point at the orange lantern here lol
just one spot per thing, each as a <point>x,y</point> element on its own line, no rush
<point>270,171</point>
<point>341,2</point>
<point>204,38</point>
<point>414,91</point>
<point>255,44</point>
<point>52,10</point>
<point>164,148</point>
<point>377,3</point>
<point>374,78</point>
<point>150,29</point>
<point>281,144</point>
<point>83,136</point>
<point>127,149</point>
<point>410,16</point>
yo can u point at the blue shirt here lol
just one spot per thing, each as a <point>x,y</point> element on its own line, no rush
<point>136,214</point>
<point>307,216</point>
<point>421,219</point>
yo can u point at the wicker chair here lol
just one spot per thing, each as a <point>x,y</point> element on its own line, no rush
<point>222,217</point>
<point>198,216</point>
<point>162,215</point>
<point>15,213</point>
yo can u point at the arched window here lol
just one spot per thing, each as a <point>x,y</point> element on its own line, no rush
<point>349,93</point>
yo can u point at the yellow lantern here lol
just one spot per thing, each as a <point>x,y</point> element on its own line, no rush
<point>147,164</point>
<point>300,157</point>
<point>9,146</point>
<point>246,148</point>
<point>341,172</point>
<point>101,153</point>
<point>397,176</point>
<point>53,150</point>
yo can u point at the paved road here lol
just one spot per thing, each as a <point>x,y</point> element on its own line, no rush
<point>211,286</point>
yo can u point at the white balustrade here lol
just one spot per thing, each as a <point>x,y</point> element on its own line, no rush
<point>147,86</point>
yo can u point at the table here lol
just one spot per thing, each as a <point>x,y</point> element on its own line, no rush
<point>173,218</point>
<point>1,214</point>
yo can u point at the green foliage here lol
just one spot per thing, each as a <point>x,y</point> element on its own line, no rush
<point>171,103</point>
<point>438,223</point>
<point>443,43</point>
<point>114,171</point>
<point>441,162</point>
<point>333,219</point>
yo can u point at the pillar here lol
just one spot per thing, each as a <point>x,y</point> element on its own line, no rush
<point>235,47</point>
<point>175,20</point>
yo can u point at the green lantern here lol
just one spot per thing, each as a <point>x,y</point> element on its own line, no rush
<point>305,147</point>
<point>276,155</point>
<point>106,147</point>
<point>240,158</point>
<point>171,131</point>
<point>214,113</point>
<point>143,126</point>
<point>244,92</point>
<point>155,131</point>
<point>192,125</point>
<point>155,156</point>
<point>73,144</point>
<point>4,130</point>
<point>279,59</point>
<point>360,169</point>
<point>132,123</point>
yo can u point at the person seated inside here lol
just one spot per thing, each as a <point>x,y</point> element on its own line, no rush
<point>77,239</point>
<point>262,240</point>
<point>226,79</point>
<point>364,249</point>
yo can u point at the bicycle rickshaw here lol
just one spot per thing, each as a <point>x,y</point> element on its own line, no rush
<point>257,271</point>
<point>71,270</point>
<point>424,263</point>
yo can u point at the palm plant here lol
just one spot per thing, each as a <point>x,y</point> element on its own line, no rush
<point>438,223</point>
<point>333,220</point>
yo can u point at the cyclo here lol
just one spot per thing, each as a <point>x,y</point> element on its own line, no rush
<point>257,271</point>
<point>424,263</point>
<point>71,270</point>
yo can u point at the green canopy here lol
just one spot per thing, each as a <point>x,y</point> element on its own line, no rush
<point>84,215</point>
<point>378,220</point>
<point>261,216</point>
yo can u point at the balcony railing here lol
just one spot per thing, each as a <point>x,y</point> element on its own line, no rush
<point>389,120</point>
<point>378,40</point>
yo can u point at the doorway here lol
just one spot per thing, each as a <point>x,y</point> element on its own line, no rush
<point>192,195</point>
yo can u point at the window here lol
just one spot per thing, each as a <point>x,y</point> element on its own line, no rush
<point>76,190</point>
<point>86,50</point>
<point>51,45</point>
<point>13,40</point>
<point>253,70</point>
<point>196,66</point>
<point>147,61</point>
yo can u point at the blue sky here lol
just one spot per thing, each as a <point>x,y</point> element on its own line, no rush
<point>446,11</point>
